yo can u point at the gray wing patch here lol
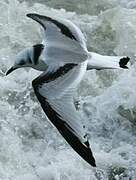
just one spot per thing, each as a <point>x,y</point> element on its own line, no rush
<point>64,29</point>
<point>82,149</point>
<point>60,110</point>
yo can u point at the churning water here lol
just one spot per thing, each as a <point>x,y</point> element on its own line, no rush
<point>30,148</point>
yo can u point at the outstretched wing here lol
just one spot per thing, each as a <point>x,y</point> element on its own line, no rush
<point>64,40</point>
<point>55,93</point>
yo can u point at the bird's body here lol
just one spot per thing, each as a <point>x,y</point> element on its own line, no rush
<point>64,58</point>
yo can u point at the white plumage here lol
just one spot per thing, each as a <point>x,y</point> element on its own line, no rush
<point>64,59</point>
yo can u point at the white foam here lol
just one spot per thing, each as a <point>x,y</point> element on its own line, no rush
<point>30,148</point>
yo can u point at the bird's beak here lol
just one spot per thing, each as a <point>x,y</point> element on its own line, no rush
<point>10,70</point>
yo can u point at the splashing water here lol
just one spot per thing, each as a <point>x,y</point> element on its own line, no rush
<point>30,148</point>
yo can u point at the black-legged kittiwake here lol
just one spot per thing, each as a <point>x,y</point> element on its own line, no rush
<point>64,58</point>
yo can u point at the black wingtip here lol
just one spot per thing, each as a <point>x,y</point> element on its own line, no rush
<point>29,15</point>
<point>123,62</point>
<point>83,149</point>
<point>93,164</point>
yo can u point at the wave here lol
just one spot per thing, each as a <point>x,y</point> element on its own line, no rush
<point>30,148</point>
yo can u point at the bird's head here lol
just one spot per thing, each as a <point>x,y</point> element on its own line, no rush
<point>28,58</point>
<point>22,59</point>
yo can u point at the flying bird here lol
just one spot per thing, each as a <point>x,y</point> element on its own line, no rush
<point>63,57</point>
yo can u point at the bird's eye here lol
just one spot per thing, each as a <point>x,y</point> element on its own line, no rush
<point>22,62</point>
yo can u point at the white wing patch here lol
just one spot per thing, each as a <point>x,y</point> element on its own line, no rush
<point>63,40</point>
<point>66,55</point>
<point>55,93</point>
<point>59,94</point>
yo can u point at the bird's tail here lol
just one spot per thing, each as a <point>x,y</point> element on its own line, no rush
<point>97,61</point>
